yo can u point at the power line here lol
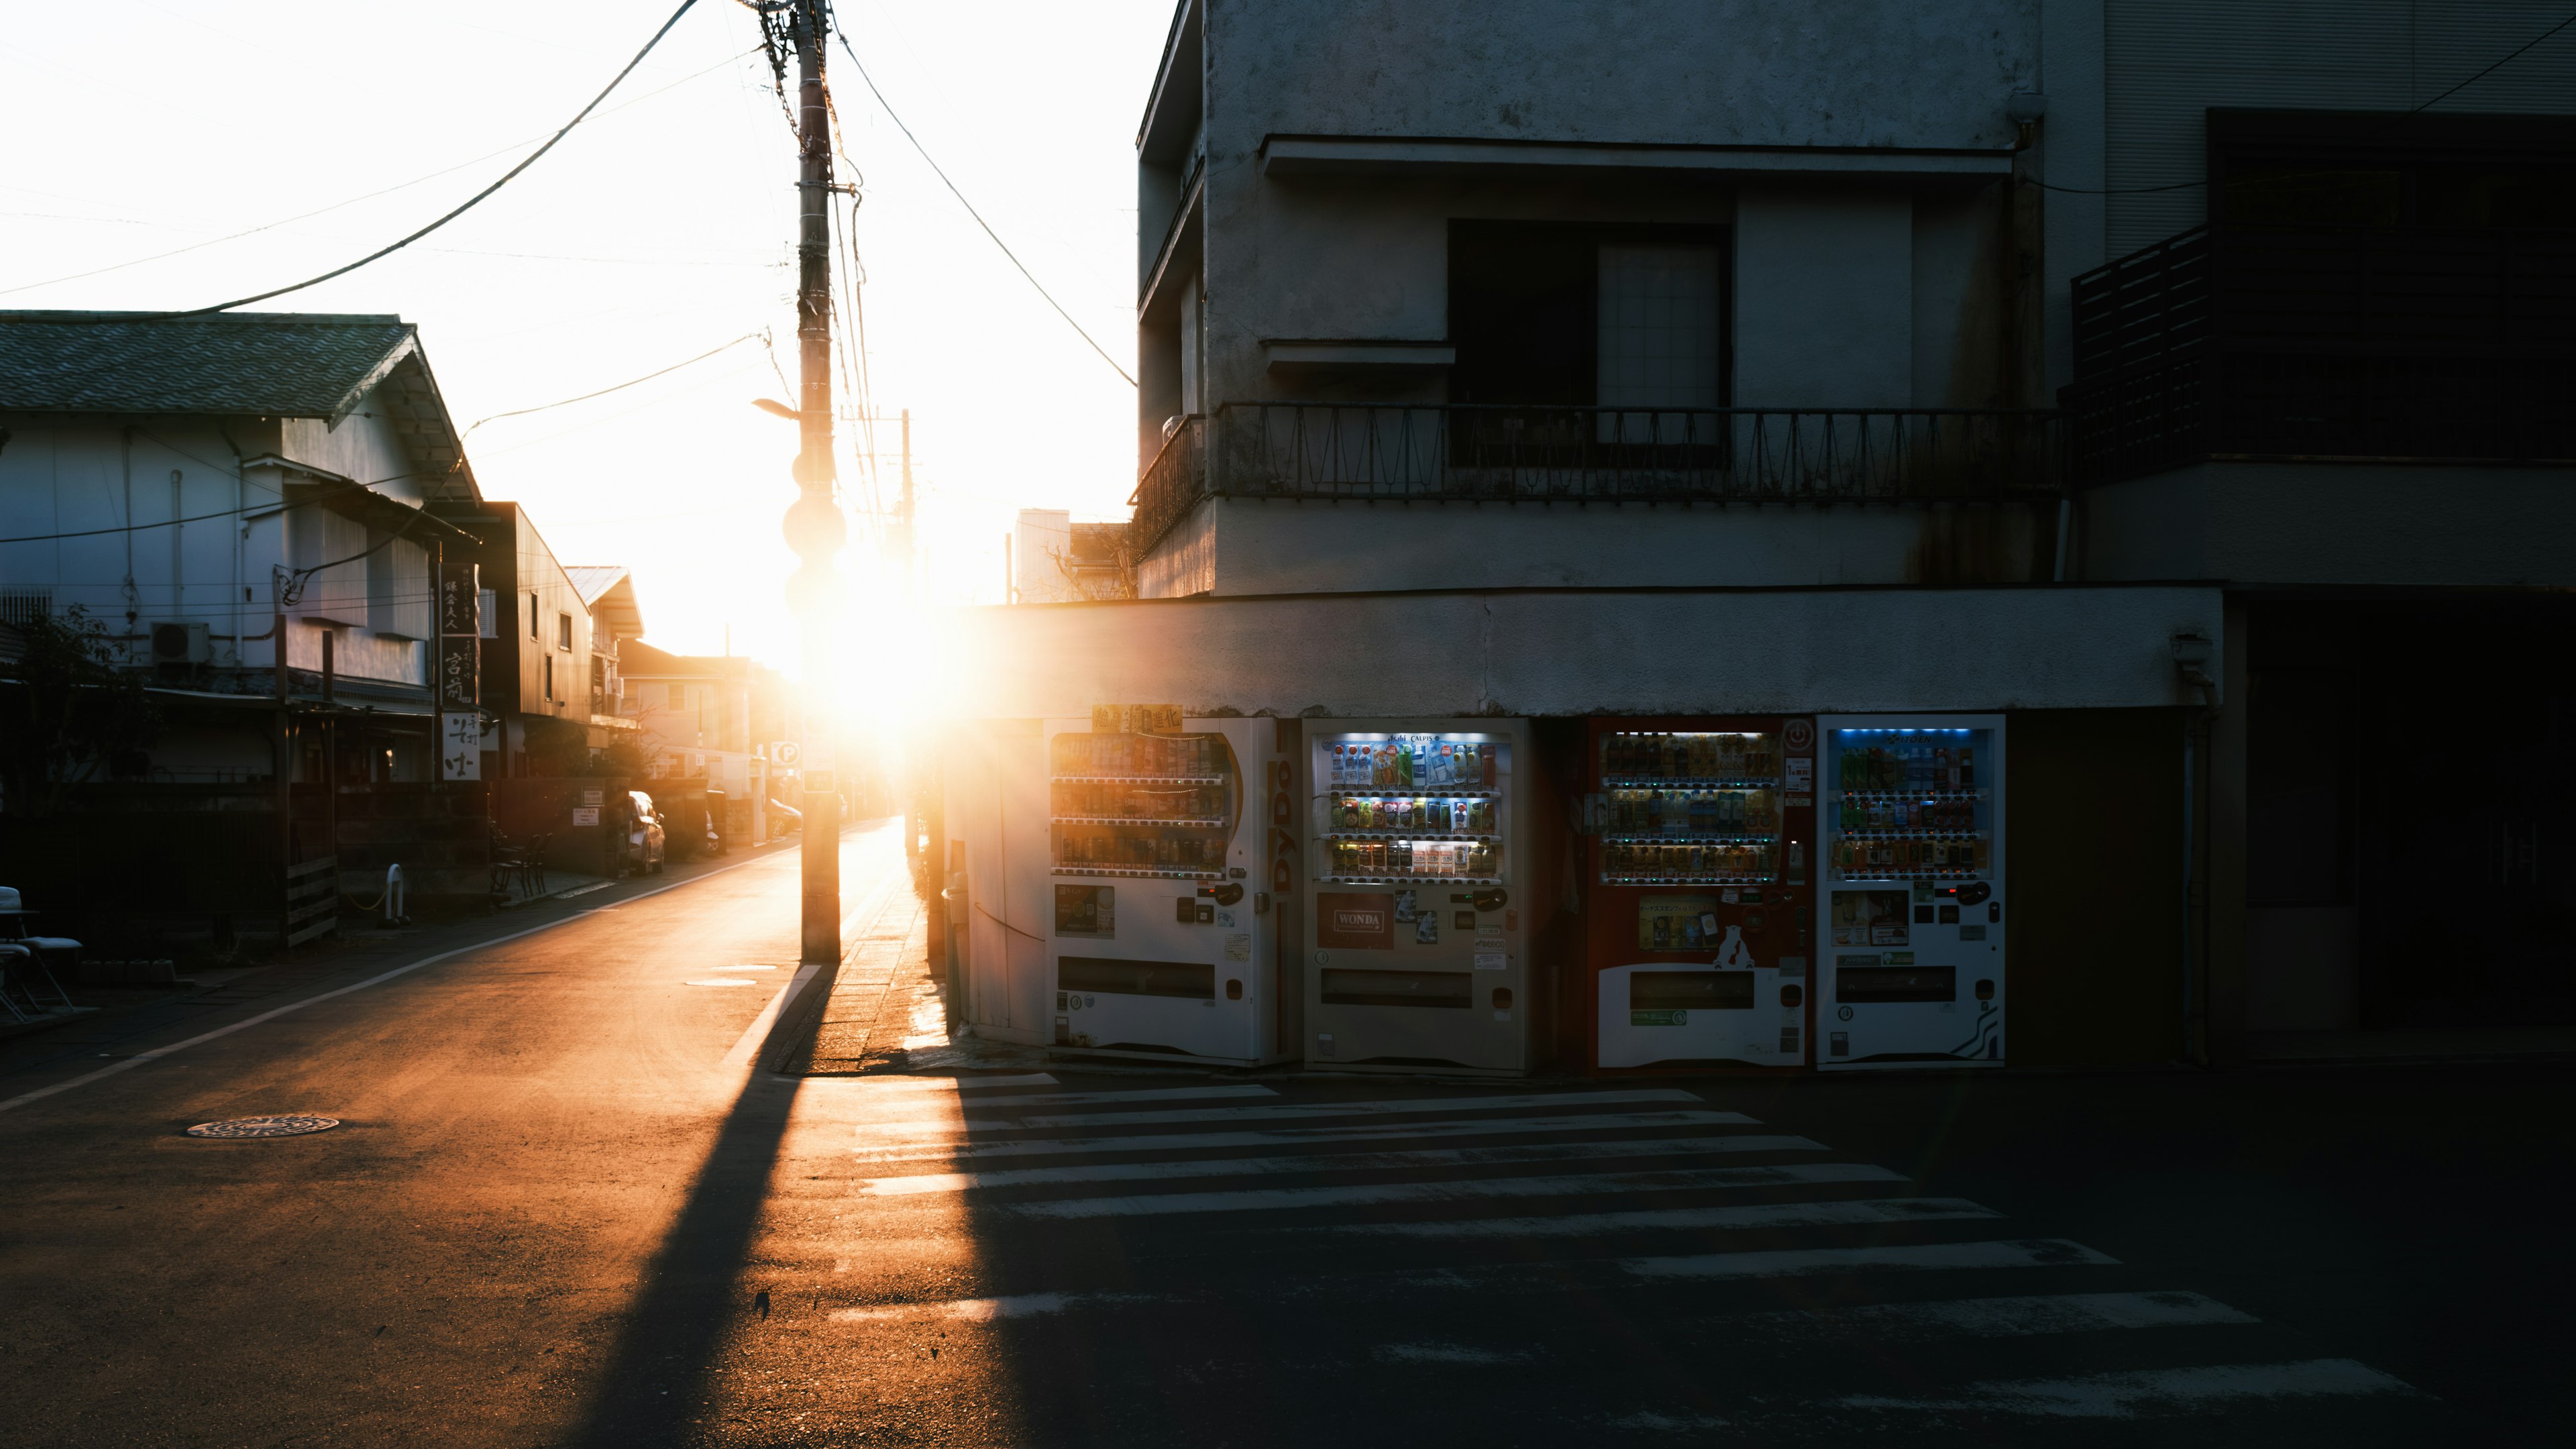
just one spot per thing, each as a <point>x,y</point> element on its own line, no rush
<point>2499,65</point>
<point>468,205</point>
<point>971,211</point>
<point>354,200</point>
<point>620,387</point>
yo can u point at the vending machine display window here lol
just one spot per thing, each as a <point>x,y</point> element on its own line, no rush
<point>1400,808</point>
<point>1144,806</point>
<point>1690,807</point>
<point>1913,909</point>
<point>1908,805</point>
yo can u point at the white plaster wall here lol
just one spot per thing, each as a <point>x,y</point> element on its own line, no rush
<point>1583,652</point>
<point>363,447</point>
<point>2326,523</point>
<point>1327,546</point>
<point>1824,297</point>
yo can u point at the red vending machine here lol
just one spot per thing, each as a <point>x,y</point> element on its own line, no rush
<point>1702,846</point>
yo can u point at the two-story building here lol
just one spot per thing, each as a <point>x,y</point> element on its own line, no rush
<point>217,491</point>
<point>2132,386</point>
<point>550,638</point>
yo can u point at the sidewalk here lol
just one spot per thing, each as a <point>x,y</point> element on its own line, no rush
<point>888,1012</point>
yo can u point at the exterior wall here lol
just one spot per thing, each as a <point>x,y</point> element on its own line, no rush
<point>1824,297</point>
<point>1327,546</point>
<point>364,446</point>
<point>1583,652</point>
<point>2327,523</point>
<point>2166,62</point>
<point>80,479</point>
<point>540,575</point>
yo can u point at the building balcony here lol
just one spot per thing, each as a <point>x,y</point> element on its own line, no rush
<point>1484,453</point>
<point>2308,344</point>
<point>1633,482</point>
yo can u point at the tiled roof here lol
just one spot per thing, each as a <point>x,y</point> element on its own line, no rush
<point>276,364</point>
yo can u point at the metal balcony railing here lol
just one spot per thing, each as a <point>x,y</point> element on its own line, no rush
<point>2326,343</point>
<point>1511,454</point>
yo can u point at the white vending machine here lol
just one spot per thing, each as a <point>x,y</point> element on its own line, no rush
<point>1416,947</point>
<point>1910,911</point>
<point>1163,936</point>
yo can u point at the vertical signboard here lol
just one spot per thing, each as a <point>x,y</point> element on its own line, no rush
<point>458,665</point>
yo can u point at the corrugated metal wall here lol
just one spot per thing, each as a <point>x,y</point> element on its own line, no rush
<point>2169,61</point>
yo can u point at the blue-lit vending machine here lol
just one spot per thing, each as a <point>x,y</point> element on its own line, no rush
<point>1910,908</point>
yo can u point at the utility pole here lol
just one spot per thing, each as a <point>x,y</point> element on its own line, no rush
<point>815,528</point>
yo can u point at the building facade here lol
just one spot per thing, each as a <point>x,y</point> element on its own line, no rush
<point>2131,384</point>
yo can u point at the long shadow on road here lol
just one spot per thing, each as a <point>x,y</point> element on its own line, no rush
<point>659,1387</point>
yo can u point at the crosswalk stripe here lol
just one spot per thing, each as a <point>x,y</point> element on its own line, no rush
<point>1150,1094</point>
<point>2157,1391</point>
<point>1745,1215</point>
<point>986,1310</point>
<point>1469,1190</point>
<point>2013,1317</point>
<point>1353,1109</point>
<point>1288,1136</point>
<point>1790,1262</point>
<point>1432,1157</point>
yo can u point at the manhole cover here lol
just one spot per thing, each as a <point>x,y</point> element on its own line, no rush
<point>289,1126</point>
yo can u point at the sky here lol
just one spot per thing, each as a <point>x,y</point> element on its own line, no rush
<point>661,228</point>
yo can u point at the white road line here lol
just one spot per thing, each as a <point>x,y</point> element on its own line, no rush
<point>273,1013</point>
<point>1146,1094</point>
<point>1324,1162</point>
<point>985,1310</point>
<point>1290,1136</point>
<point>1350,1109</point>
<point>2156,1392</point>
<point>748,1044</point>
<point>1469,1190</point>
<point>1791,1262</point>
<point>2017,1317</point>
<point>1749,1215</point>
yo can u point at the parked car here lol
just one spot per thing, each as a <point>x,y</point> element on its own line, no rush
<point>645,839</point>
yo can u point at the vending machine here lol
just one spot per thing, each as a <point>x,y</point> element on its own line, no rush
<point>1163,939</point>
<point>1415,854</point>
<point>1701,834</point>
<point>1910,917</point>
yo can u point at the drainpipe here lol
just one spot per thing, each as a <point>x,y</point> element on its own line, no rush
<point>2065,532</point>
<point>2191,654</point>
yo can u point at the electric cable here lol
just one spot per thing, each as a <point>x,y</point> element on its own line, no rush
<point>469,203</point>
<point>971,211</point>
<point>354,200</point>
<point>620,387</point>
<point>262,507</point>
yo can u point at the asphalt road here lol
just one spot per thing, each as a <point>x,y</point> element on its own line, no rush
<point>568,1207</point>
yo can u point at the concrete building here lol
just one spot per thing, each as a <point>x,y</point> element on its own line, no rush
<point>165,475</point>
<point>2169,382</point>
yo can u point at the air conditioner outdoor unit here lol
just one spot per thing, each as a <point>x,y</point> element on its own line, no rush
<point>178,641</point>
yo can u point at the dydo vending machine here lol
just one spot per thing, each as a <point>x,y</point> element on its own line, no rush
<point>1415,852</point>
<point>1701,842</point>
<point>1910,918</point>
<point>1163,939</point>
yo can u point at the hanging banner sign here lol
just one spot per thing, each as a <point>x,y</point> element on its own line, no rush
<point>460,747</point>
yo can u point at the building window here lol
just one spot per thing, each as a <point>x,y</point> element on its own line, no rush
<point>1578,315</point>
<point>25,605</point>
<point>550,678</point>
<point>533,616</point>
<point>563,631</point>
